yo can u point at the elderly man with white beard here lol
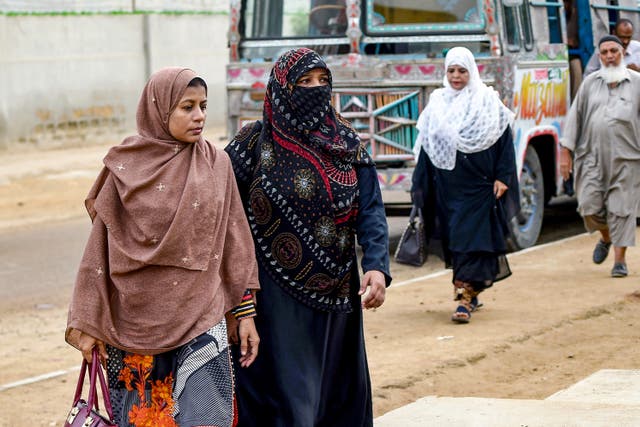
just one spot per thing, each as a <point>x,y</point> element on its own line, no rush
<point>603,132</point>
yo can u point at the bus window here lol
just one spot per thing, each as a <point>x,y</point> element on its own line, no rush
<point>425,16</point>
<point>257,23</point>
<point>264,19</point>
<point>318,24</point>
<point>517,20</point>
<point>613,15</point>
<point>328,17</point>
<point>511,28</point>
<point>555,27</point>
<point>527,30</point>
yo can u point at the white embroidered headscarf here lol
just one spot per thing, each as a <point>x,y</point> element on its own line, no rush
<point>469,120</point>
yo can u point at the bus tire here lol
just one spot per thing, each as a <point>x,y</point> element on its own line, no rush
<point>525,227</point>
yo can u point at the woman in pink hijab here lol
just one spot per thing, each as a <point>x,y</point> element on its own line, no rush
<point>159,277</point>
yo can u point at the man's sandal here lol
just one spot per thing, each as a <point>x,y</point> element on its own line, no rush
<point>601,251</point>
<point>619,270</point>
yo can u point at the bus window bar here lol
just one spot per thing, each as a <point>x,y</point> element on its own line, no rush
<point>400,101</point>
<point>293,42</point>
<point>397,121</point>
<point>614,7</point>
<point>452,38</point>
<point>388,142</point>
<point>546,3</point>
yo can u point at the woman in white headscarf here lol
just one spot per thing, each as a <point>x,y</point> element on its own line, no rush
<point>466,165</point>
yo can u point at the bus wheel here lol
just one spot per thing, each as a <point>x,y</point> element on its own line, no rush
<point>525,227</point>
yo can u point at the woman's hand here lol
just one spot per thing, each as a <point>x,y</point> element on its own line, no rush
<point>249,341</point>
<point>232,328</point>
<point>499,188</point>
<point>374,280</point>
<point>86,343</point>
<point>565,163</point>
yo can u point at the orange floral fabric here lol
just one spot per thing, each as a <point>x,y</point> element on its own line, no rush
<point>156,412</point>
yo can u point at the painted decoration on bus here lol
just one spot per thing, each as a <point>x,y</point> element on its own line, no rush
<point>540,103</point>
<point>541,95</point>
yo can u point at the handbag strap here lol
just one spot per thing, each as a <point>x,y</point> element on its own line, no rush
<point>415,212</point>
<point>83,370</point>
<point>93,394</point>
<point>95,372</point>
<point>105,392</point>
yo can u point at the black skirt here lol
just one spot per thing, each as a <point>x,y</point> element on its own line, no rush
<point>311,368</point>
<point>481,269</point>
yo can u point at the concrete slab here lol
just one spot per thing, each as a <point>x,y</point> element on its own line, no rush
<point>609,397</point>
<point>610,386</point>
<point>478,412</point>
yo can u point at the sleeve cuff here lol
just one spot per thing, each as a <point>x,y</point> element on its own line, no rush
<point>246,308</point>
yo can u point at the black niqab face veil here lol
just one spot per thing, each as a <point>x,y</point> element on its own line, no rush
<point>311,104</point>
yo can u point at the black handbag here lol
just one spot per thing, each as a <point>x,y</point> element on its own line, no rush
<point>411,249</point>
<point>85,413</point>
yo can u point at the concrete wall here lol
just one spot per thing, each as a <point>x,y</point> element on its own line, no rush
<point>76,79</point>
<point>39,6</point>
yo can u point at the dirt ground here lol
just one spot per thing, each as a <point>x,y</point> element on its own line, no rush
<point>558,319</point>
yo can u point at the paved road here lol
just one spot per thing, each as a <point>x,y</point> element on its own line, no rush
<point>38,263</point>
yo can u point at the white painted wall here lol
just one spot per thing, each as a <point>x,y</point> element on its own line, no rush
<point>76,79</point>
<point>198,42</point>
<point>113,5</point>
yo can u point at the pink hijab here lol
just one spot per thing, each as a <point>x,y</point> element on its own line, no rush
<point>169,231</point>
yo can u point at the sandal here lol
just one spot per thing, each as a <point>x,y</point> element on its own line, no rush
<point>601,251</point>
<point>467,302</point>
<point>619,270</point>
<point>475,304</point>
<point>461,315</point>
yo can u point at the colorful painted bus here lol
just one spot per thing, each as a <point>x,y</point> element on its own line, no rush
<point>386,57</point>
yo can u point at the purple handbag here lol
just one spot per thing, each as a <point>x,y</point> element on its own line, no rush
<point>86,413</point>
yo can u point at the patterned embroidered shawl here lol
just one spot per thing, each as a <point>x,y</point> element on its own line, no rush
<point>168,232</point>
<point>300,189</point>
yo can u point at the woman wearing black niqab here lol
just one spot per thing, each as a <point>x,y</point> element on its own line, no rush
<point>309,189</point>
